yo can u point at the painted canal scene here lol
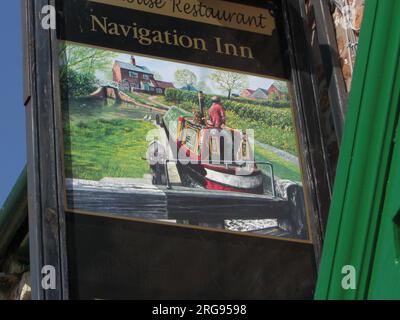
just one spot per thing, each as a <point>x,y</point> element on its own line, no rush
<point>206,147</point>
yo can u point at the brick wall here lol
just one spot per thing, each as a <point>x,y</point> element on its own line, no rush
<point>347,17</point>
<point>15,280</point>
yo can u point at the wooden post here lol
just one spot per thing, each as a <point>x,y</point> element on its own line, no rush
<point>45,163</point>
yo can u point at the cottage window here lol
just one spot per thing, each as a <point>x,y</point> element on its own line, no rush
<point>135,86</point>
<point>133,74</point>
<point>159,90</point>
<point>146,77</point>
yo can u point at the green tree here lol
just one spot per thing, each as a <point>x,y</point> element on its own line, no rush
<point>157,75</point>
<point>229,81</point>
<point>273,97</point>
<point>76,84</point>
<point>85,60</point>
<point>202,86</point>
<point>185,78</point>
<point>78,68</point>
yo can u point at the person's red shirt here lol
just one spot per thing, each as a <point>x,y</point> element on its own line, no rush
<point>217,115</point>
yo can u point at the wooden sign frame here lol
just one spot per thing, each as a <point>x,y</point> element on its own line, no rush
<point>47,216</point>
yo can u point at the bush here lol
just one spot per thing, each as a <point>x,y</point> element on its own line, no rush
<point>266,115</point>
<point>176,95</point>
<point>266,103</point>
<point>76,84</point>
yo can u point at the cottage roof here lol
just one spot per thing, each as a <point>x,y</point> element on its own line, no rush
<point>165,85</point>
<point>281,86</point>
<point>131,67</point>
<point>262,90</point>
<point>249,90</point>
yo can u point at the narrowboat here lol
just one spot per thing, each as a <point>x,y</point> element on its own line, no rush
<point>214,159</point>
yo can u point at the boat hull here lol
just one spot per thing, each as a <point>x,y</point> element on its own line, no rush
<point>197,143</point>
<point>227,181</point>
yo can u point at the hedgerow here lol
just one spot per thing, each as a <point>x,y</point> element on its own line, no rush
<point>263,114</point>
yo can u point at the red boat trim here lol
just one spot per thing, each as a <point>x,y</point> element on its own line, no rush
<point>211,185</point>
<point>231,169</point>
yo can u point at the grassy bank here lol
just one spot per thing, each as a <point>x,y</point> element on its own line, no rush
<point>106,148</point>
<point>283,139</point>
<point>282,168</point>
<point>105,140</point>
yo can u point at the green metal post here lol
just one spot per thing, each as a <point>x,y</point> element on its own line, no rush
<point>361,186</point>
<point>385,276</point>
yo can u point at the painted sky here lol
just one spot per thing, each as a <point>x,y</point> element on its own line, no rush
<point>167,71</point>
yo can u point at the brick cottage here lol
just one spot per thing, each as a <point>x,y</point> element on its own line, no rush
<point>132,77</point>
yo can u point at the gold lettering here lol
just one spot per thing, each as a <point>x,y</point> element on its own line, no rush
<point>188,40</point>
<point>230,49</point>
<point>246,52</point>
<point>113,29</point>
<point>202,43</point>
<point>125,29</point>
<point>157,37</point>
<point>219,45</point>
<point>98,22</point>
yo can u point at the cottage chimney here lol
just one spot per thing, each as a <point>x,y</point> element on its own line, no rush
<point>133,60</point>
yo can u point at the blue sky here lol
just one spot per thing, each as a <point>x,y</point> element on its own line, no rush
<point>12,114</point>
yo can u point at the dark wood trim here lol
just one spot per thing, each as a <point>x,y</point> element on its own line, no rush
<point>177,204</point>
<point>44,125</point>
<point>315,171</point>
<point>46,212</point>
<point>330,56</point>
